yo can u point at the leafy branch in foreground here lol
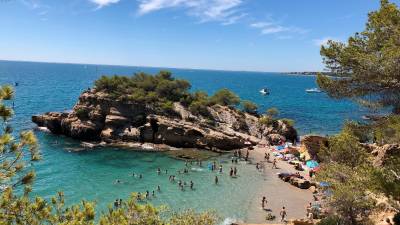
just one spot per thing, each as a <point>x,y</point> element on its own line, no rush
<point>368,62</point>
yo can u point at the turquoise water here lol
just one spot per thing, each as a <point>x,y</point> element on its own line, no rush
<point>90,174</point>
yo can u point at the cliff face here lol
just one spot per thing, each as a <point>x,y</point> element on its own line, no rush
<point>96,117</point>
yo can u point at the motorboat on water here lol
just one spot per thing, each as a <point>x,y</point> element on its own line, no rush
<point>264,91</point>
<point>313,90</point>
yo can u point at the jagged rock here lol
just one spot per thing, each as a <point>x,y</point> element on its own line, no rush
<point>311,144</point>
<point>382,153</point>
<point>96,117</point>
<point>275,139</point>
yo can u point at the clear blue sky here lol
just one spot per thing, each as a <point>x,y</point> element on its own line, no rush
<point>258,35</point>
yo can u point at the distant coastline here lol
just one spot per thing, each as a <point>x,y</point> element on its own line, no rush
<point>309,73</point>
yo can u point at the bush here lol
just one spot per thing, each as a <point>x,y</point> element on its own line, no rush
<point>266,120</point>
<point>199,108</point>
<point>331,220</point>
<point>249,107</point>
<point>272,112</point>
<point>167,106</point>
<point>289,122</point>
<point>225,97</point>
<point>82,113</point>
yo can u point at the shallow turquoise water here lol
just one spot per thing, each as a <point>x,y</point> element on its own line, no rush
<point>90,174</point>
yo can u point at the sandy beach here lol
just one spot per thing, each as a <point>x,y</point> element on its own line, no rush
<point>277,192</point>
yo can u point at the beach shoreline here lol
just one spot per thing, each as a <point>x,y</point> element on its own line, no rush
<point>277,192</point>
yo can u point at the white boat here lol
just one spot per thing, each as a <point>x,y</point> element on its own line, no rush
<point>264,91</point>
<point>313,90</point>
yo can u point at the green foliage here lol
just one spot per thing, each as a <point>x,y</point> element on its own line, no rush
<point>225,97</point>
<point>249,107</point>
<point>368,61</point>
<point>266,120</point>
<point>272,112</point>
<point>190,217</point>
<point>199,105</point>
<point>289,122</point>
<point>144,88</point>
<point>361,131</point>
<point>387,130</point>
<point>82,113</point>
<point>331,220</point>
<point>349,186</point>
<point>12,151</point>
<point>345,149</point>
<point>167,106</point>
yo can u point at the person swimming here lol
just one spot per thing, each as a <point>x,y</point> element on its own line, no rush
<point>140,176</point>
<point>117,181</point>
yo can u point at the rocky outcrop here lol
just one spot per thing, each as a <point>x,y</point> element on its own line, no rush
<point>383,153</point>
<point>311,144</point>
<point>96,117</point>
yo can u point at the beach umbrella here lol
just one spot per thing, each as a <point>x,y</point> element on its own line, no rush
<point>312,164</point>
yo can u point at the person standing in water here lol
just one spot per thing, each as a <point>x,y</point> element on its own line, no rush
<point>191,185</point>
<point>231,172</point>
<point>216,180</point>
<point>220,168</point>
<point>234,171</point>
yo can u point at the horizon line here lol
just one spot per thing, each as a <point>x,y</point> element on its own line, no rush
<point>156,67</point>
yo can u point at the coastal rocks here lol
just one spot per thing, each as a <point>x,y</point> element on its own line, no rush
<point>98,118</point>
<point>311,144</point>
<point>383,153</point>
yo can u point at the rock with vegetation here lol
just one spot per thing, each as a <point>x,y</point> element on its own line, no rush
<point>160,109</point>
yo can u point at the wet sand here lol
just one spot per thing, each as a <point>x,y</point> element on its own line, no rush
<point>277,192</point>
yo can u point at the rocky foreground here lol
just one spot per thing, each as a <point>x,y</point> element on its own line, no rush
<point>97,117</point>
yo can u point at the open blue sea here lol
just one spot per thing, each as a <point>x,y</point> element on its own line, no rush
<point>47,87</point>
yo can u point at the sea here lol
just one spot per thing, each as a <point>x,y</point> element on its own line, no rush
<point>92,174</point>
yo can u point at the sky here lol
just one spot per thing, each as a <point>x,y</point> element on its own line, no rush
<point>245,35</point>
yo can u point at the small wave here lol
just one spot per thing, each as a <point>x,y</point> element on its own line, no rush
<point>229,221</point>
<point>43,129</point>
<point>197,169</point>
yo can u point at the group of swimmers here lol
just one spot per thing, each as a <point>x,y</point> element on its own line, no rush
<point>140,197</point>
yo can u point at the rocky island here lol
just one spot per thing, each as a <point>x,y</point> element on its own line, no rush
<point>160,109</point>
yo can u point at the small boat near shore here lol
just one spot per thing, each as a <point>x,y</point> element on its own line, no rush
<point>313,90</point>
